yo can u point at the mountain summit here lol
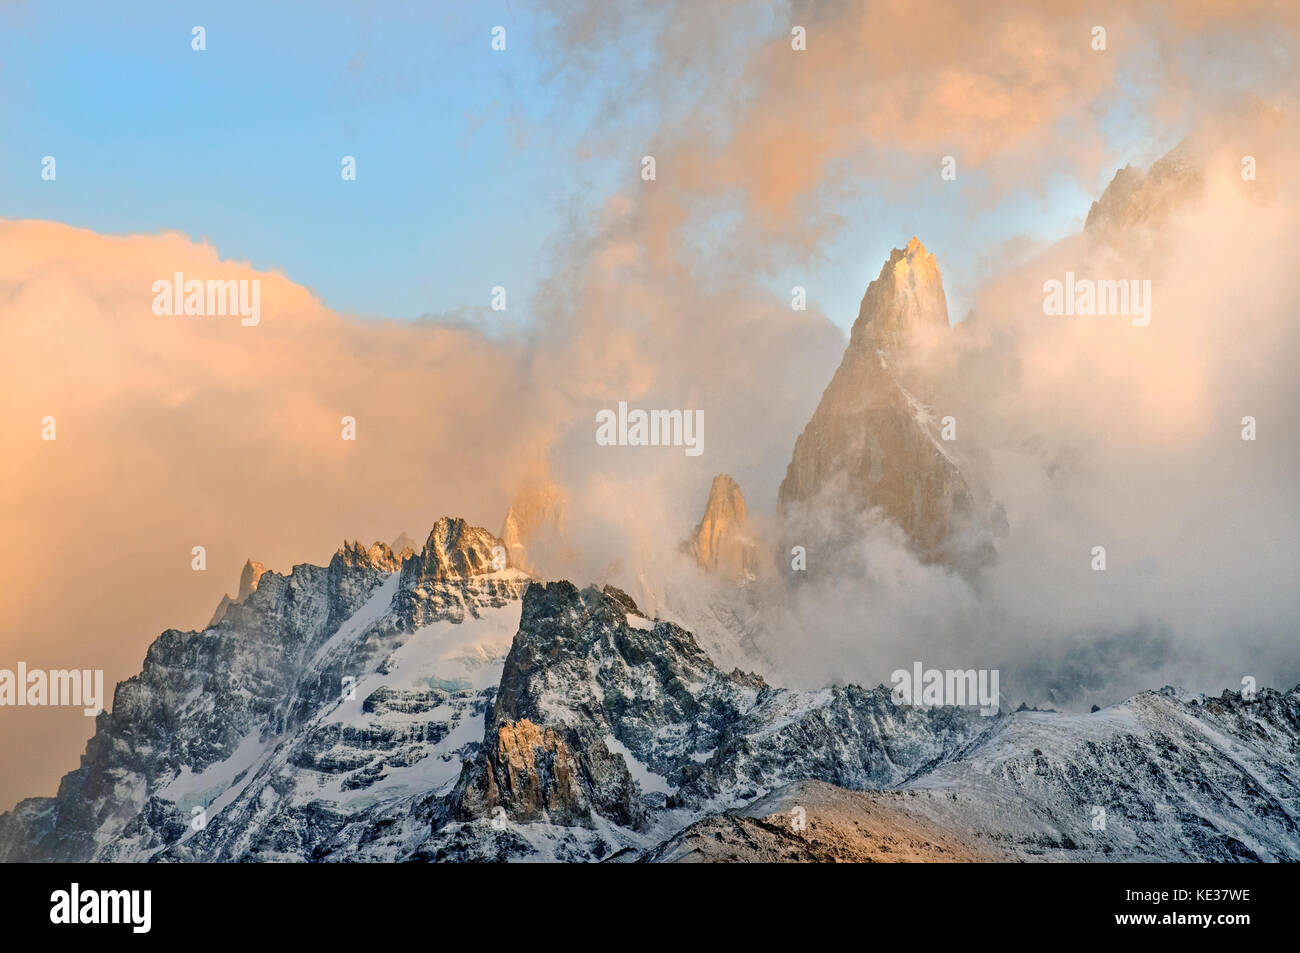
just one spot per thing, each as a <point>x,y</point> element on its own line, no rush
<point>904,303</point>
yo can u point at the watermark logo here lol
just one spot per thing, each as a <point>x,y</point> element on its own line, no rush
<point>57,688</point>
<point>198,298</point>
<point>133,907</point>
<point>651,428</point>
<point>931,687</point>
<point>1099,298</point>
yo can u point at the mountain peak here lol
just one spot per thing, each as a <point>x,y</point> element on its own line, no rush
<point>1135,198</point>
<point>454,548</point>
<point>402,544</point>
<point>905,301</point>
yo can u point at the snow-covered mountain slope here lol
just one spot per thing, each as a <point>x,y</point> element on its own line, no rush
<point>1160,777</point>
<point>815,822</point>
<point>359,712</point>
<point>257,709</point>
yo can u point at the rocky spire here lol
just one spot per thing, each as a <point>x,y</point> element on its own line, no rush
<point>721,542</point>
<point>873,442</point>
<point>377,556</point>
<point>249,578</point>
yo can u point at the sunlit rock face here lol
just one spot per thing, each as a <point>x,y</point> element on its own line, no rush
<point>874,443</point>
<point>722,543</point>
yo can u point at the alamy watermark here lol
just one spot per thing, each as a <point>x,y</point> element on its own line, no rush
<point>57,688</point>
<point>212,297</point>
<point>1099,298</point>
<point>932,687</point>
<point>651,428</point>
<point>76,906</point>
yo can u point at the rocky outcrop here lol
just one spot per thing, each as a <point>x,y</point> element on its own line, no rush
<point>530,771</point>
<point>722,542</point>
<point>376,556</point>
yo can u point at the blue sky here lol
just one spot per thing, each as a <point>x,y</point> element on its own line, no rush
<point>471,170</point>
<point>462,177</point>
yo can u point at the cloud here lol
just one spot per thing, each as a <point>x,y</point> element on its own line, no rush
<point>1094,432</point>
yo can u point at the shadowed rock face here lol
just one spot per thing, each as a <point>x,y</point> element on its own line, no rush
<point>873,441</point>
<point>721,543</point>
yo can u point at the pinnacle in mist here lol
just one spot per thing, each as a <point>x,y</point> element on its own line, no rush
<point>404,546</point>
<point>721,542</point>
<point>537,510</point>
<point>873,441</point>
